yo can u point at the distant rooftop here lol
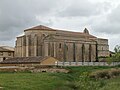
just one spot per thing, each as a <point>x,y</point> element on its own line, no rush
<point>24,60</point>
<point>6,48</point>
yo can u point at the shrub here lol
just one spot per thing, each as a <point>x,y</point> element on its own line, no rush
<point>105,74</point>
<point>114,72</point>
<point>100,74</point>
<point>86,83</point>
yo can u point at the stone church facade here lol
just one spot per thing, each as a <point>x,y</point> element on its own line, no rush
<point>61,44</point>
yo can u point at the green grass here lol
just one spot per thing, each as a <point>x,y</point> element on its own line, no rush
<point>75,80</point>
<point>30,81</point>
<point>112,84</point>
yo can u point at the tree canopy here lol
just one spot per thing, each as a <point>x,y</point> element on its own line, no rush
<point>117,49</point>
<point>116,57</point>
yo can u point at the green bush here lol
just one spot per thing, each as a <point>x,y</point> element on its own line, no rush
<point>86,83</point>
<point>114,72</point>
<point>105,74</point>
<point>100,74</point>
<point>115,58</point>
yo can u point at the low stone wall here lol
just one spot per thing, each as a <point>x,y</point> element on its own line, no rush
<point>87,63</point>
<point>21,65</point>
<point>14,69</point>
<point>52,70</point>
<point>36,69</point>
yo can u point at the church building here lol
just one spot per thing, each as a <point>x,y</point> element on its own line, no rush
<point>64,45</point>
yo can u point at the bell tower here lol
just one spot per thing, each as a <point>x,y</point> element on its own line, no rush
<point>86,31</point>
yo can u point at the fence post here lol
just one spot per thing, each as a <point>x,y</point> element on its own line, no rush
<point>63,63</point>
<point>57,63</point>
<point>82,63</point>
<point>104,63</point>
<point>76,63</point>
<point>70,63</point>
<point>99,63</point>
<point>93,63</point>
<point>88,63</point>
<point>115,63</point>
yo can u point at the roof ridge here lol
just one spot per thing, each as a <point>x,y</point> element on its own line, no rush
<point>40,27</point>
<point>4,49</point>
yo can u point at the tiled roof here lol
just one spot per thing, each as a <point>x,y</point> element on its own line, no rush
<point>70,33</point>
<point>23,60</point>
<point>8,47</point>
<point>4,49</point>
<point>40,27</point>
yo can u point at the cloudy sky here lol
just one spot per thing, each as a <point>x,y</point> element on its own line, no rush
<point>101,17</point>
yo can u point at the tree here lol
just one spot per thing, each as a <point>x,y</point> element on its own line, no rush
<point>116,57</point>
<point>117,49</point>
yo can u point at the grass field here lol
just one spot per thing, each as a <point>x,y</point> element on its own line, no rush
<point>75,80</point>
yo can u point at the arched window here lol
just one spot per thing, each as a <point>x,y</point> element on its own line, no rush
<point>60,45</point>
<point>4,58</point>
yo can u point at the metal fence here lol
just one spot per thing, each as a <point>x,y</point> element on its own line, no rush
<point>87,63</point>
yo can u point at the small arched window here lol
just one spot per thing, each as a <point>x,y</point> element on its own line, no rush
<point>4,58</point>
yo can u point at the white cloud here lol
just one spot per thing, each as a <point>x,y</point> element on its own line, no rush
<point>84,8</point>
